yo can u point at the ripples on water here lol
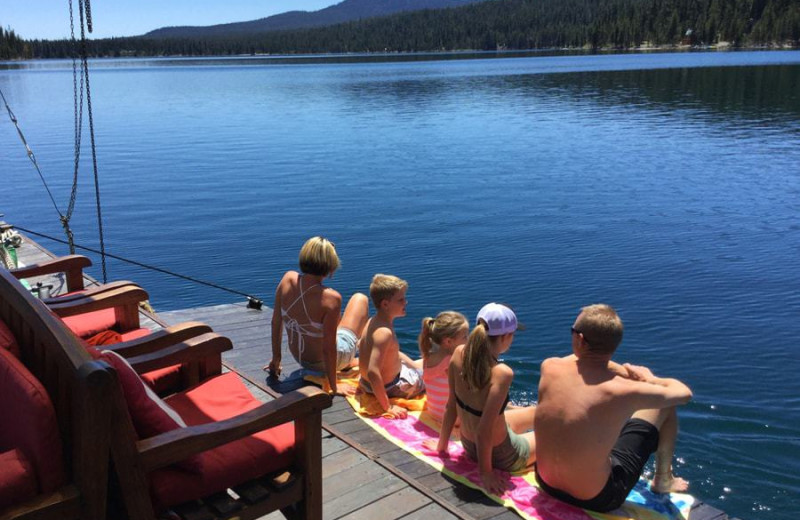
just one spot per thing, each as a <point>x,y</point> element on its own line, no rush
<point>666,185</point>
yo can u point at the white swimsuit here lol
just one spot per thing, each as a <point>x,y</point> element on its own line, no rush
<point>312,329</point>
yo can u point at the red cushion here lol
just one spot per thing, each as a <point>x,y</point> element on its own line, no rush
<point>149,413</point>
<point>216,399</point>
<point>164,381</point>
<point>7,340</point>
<point>134,334</point>
<point>34,429</point>
<point>17,479</point>
<point>90,323</point>
<point>107,337</point>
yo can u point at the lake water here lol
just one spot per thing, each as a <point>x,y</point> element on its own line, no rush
<point>667,185</point>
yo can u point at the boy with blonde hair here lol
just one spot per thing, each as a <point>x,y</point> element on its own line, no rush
<point>385,371</point>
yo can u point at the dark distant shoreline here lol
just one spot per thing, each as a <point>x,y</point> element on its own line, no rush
<point>452,54</point>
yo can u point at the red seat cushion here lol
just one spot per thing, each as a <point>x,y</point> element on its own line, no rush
<point>163,381</point>
<point>7,340</point>
<point>29,422</point>
<point>149,413</point>
<point>90,323</point>
<point>217,399</point>
<point>17,479</point>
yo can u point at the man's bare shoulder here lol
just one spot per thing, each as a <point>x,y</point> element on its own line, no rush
<point>558,363</point>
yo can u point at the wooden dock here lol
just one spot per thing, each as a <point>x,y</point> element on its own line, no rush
<point>364,475</point>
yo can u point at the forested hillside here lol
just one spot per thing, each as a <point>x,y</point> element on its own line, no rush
<point>500,24</point>
<point>11,45</point>
<point>345,11</point>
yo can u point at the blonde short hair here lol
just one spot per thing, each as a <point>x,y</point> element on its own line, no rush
<point>384,286</point>
<point>601,327</point>
<point>318,257</point>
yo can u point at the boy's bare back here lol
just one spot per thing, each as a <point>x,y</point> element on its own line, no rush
<point>380,344</point>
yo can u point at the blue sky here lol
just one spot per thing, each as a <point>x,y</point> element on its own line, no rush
<point>50,18</point>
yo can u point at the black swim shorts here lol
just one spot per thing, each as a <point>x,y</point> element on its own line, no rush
<point>636,442</point>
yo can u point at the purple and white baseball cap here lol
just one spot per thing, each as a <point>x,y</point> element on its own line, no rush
<point>499,319</point>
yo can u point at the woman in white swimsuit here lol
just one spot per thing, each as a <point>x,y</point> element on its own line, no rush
<point>310,312</point>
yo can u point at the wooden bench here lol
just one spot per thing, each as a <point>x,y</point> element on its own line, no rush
<point>291,483</point>
<point>78,388</point>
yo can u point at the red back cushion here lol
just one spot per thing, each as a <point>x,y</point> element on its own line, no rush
<point>7,340</point>
<point>149,413</point>
<point>90,323</point>
<point>17,479</point>
<point>34,428</point>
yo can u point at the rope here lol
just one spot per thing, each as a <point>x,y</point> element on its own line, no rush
<point>85,62</point>
<point>253,302</point>
<point>77,97</point>
<point>9,239</point>
<point>31,156</point>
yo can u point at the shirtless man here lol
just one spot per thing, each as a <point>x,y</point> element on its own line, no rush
<point>598,422</point>
<point>385,371</point>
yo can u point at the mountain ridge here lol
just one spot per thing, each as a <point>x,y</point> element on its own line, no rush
<point>346,11</point>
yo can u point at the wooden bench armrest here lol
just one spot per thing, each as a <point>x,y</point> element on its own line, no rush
<point>124,300</point>
<point>192,350</point>
<point>93,290</point>
<point>171,447</point>
<point>159,339</point>
<point>62,503</point>
<point>71,265</point>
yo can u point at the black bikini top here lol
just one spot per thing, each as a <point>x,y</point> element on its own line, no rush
<point>479,413</point>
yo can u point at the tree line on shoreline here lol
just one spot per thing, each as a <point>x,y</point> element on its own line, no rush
<point>498,24</point>
<point>11,45</point>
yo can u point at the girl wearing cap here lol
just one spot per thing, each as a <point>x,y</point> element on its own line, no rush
<point>479,385</point>
<point>319,337</point>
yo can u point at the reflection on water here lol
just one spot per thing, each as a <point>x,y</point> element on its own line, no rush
<point>665,184</point>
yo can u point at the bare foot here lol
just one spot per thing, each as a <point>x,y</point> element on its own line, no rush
<point>669,483</point>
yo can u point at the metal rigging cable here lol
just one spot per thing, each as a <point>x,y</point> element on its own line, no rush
<point>252,301</point>
<point>31,156</point>
<point>77,100</point>
<point>84,5</point>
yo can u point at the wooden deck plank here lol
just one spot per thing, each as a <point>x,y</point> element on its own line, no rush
<point>415,468</point>
<point>703,511</point>
<point>391,507</point>
<point>431,512</point>
<point>362,492</point>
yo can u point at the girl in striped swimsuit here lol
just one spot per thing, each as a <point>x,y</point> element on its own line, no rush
<point>438,339</point>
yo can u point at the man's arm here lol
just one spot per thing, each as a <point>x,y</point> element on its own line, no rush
<point>658,392</point>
